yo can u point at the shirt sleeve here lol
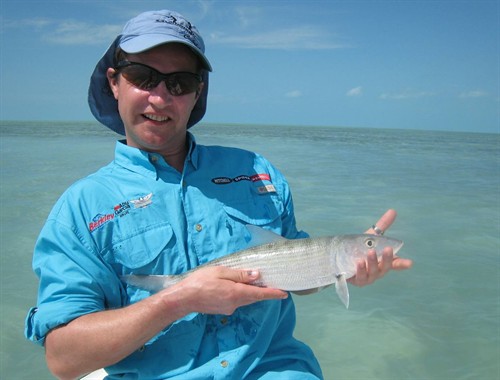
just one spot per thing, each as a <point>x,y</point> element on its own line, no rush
<point>73,280</point>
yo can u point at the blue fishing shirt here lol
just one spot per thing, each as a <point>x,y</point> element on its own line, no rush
<point>139,215</point>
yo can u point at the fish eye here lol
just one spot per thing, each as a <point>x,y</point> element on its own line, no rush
<point>370,243</point>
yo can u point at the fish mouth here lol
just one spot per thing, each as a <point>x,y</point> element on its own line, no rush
<point>380,242</point>
<point>397,246</point>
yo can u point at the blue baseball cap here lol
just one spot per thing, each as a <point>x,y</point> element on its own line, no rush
<point>147,30</point>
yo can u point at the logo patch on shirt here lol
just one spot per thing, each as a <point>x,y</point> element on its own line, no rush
<point>142,201</point>
<point>261,177</point>
<point>100,220</point>
<point>266,189</point>
<point>122,209</point>
<point>242,177</point>
<point>222,180</point>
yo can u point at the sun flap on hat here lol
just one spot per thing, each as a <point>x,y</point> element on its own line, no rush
<point>142,33</point>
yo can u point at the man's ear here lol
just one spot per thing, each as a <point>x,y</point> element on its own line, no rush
<point>199,90</point>
<point>113,81</point>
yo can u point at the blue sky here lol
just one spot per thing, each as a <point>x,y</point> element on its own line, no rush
<point>427,64</point>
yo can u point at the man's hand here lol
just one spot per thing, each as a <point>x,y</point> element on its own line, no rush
<point>221,290</point>
<point>371,269</point>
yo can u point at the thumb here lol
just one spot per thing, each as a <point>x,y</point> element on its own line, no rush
<point>244,276</point>
<point>248,276</point>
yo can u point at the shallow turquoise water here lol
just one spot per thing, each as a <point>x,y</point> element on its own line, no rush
<point>438,321</point>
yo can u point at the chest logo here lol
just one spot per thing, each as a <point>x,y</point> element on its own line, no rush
<point>242,177</point>
<point>142,201</point>
<point>99,220</point>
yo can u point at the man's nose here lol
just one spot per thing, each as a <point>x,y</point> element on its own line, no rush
<point>160,96</point>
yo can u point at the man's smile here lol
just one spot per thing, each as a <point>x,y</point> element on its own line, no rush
<point>156,117</point>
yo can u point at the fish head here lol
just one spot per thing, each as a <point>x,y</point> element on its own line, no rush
<point>353,248</point>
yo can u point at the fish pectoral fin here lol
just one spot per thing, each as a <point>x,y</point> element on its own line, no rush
<point>153,283</point>
<point>260,236</point>
<point>342,290</point>
<point>305,292</point>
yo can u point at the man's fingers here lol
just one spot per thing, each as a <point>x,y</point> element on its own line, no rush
<point>372,264</point>
<point>237,275</point>
<point>385,221</point>
<point>247,277</point>
<point>401,264</point>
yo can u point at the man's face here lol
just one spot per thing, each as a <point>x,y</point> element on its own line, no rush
<point>154,119</point>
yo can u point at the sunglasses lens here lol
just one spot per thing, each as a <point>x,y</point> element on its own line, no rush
<point>147,78</point>
<point>140,76</point>
<point>182,83</point>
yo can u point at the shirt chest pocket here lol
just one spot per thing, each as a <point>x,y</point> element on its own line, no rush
<point>258,211</point>
<point>142,247</point>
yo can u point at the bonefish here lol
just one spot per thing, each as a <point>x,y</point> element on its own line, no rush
<point>302,266</point>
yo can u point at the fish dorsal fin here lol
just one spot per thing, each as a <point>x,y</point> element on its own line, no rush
<point>259,236</point>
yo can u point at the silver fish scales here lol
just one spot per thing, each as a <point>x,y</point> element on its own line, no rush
<point>301,265</point>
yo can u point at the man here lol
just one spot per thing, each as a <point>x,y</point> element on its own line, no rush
<point>160,208</point>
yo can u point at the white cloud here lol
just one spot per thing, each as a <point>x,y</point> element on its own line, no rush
<point>294,94</point>
<point>247,15</point>
<point>356,91</point>
<point>68,32</point>
<point>406,94</point>
<point>81,33</point>
<point>473,94</point>
<point>36,24</point>
<point>298,38</point>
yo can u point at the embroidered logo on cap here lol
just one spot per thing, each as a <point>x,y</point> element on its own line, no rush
<point>186,26</point>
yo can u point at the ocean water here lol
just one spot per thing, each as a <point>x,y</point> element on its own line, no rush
<point>440,320</point>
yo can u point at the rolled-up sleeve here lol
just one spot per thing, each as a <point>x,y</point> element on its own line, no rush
<point>73,280</point>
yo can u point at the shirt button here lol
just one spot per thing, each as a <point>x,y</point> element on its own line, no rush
<point>198,227</point>
<point>154,159</point>
<point>223,321</point>
<point>224,363</point>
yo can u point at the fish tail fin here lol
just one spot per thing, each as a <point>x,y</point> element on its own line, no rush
<point>342,290</point>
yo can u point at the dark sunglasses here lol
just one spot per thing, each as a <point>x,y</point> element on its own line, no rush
<point>146,78</point>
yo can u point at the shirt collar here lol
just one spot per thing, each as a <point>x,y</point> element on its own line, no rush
<point>146,163</point>
<point>193,152</point>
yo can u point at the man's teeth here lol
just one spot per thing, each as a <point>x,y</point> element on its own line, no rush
<point>156,117</point>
